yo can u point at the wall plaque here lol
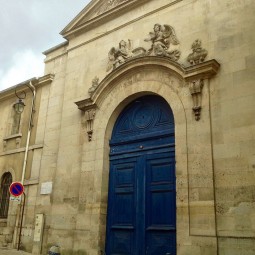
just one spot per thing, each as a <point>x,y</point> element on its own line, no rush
<point>46,188</point>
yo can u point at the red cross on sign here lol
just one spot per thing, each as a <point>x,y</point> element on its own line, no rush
<point>16,189</point>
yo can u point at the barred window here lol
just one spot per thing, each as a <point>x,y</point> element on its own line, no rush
<point>5,195</point>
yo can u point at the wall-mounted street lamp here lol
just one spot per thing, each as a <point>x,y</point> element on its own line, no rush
<point>19,106</point>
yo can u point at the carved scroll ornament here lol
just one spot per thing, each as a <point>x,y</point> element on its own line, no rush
<point>89,117</point>
<point>89,112</point>
<point>195,88</point>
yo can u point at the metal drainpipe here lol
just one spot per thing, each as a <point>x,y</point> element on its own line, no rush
<point>32,88</point>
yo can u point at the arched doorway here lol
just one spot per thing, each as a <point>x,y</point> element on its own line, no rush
<point>5,194</point>
<point>141,217</point>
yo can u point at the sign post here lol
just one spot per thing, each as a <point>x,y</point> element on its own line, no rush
<point>17,189</point>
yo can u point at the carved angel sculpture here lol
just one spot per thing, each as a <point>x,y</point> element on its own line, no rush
<point>162,38</point>
<point>118,56</point>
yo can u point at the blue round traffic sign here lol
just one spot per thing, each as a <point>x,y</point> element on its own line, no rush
<point>16,189</point>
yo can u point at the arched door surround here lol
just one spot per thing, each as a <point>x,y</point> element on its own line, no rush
<point>173,82</point>
<point>141,217</point>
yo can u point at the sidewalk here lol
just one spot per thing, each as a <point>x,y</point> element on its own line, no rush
<point>5,251</point>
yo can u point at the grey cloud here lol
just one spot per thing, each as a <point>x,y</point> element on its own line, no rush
<point>33,24</point>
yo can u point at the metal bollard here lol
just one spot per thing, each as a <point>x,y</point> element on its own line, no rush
<point>54,250</point>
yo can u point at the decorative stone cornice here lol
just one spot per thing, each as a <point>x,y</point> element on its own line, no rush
<point>37,82</point>
<point>98,12</point>
<point>85,104</point>
<point>204,70</point>
<point>109,4</point>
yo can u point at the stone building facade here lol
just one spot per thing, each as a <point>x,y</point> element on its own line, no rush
<point>99,172</point>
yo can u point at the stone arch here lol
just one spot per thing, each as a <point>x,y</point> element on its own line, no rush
<point>106,120</point>
<point>171,81</point>
<point>11,171</point>
<point>5,181</point>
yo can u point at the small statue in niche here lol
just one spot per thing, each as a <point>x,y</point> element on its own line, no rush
<point>198,55</point>
<point>118,56</point>
<point>162,38</point>
<point>95,83</point>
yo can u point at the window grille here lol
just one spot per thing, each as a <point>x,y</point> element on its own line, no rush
<point>5,194</point>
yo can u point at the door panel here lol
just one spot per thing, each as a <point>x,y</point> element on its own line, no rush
<point>160,204</point>
<point>121,229</point>
<point>141,207</point>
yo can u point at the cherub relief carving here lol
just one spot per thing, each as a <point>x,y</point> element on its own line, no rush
<point>162,38</point>
<point>118,56</point>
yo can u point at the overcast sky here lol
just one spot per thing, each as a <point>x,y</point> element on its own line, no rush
<point>29,27</point>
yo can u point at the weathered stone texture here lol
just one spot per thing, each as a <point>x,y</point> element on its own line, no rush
<point>215,160</point>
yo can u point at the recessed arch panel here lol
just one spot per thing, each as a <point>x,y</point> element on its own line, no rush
<point>141,216</point>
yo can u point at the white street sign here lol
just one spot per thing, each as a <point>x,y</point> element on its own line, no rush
<point>17,199</point>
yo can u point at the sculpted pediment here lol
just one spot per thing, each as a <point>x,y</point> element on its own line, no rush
<point>98,12</point>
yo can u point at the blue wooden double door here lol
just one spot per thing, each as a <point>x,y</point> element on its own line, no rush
<point>141,216</point>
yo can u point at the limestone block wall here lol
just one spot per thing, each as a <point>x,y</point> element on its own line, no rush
<point>223,139</point>
<point>233,127</point>
<point>12,157</point>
